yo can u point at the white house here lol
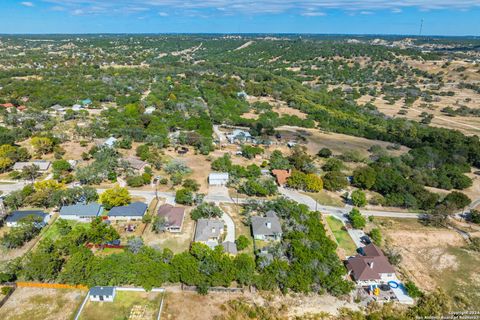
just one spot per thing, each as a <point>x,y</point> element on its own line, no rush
<point>102,294</point>
<point>218,178</point>
<point>81,212</point>
<point>16,217</point>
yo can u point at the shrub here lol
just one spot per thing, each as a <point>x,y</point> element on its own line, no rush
<point>359,199</point>
<point>376,236</point>
<point>356,219</point>
<point>324,153</point>
<point>242,242</point>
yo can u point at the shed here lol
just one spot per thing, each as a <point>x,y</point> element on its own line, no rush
<point>106,294</point>
<point>218,178</point>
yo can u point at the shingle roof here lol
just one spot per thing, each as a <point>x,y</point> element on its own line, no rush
<point>369,267</point>
<point>173,215</point>
<point>16,216</point>
<point>229,247</point>
<point>267,226</point>
<point>102,291</point>
<point>82,210</point>
<point>135,209</point>
<point>281,176</point>
<point>135,163</point>
<point>208,228</point>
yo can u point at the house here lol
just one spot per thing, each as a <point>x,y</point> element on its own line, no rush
<point>77,107</point>
<point>267,228</point>
<point>173,217</point>
<point>281,176</point>
<point>134,211</point>
<point>58,108</point>
<point>81,212</point>
<point>230,247</point>
<point>41,164</point>
<point>136,163</point>
<point>209,231</point>
<point>105,294</point>
<point>371,268</point>
<point>15,218</point>
<point>110,142</point>
<point>218,178</point>
<point>240,136</point>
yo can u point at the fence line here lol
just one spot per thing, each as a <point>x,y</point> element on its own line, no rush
<point>26,284</point>
<point>4,300</point>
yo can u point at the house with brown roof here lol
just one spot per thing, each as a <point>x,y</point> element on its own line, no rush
<point>281,176</point>
<point>173,216</point>
<point>371,267</point>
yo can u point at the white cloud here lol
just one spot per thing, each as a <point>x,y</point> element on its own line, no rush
<point>253,7</point>
<point>27,4</point>
<point>366,12</point>
<point>163,14</point>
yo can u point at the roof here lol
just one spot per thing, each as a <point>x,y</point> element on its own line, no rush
<point>135,163</point>
<point>135,209</point>
<point>281,176</point>
<point>218,176</point>
<point>57,107</point>
<point>369,267</point>
<point>267,226</point>
<point>229,247</point>
<point>102,291</point>
<point>42,165</point>
<point>173,215</point>
<point>82,210</point>
<point>16,216</point>
<point>86,101</point>
<point>7,105</point>
<point>110,141</point>
<point>208,228</point>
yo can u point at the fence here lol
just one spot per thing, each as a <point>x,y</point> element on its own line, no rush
<point>213,289</point>
<point>49,285</point>
<point>13,286</point>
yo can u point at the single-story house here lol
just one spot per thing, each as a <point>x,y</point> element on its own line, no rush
<point>81,212</point>
<point>136,163</point>
<point>209,231</point>
<point>241,136</point>
<point>173,216</point>
<point>41,164</point>
<point>281,176</point>
<point>370,268</point>
<point>267,228</point>
<point>106,294</point>
<point>218,178</point>
<point>134,211</point>
<point>16,217</point>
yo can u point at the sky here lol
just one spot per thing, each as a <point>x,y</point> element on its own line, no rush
<point>440,17</point>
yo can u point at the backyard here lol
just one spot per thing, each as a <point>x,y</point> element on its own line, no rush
<point>341,235</point>
<point>126,305</point>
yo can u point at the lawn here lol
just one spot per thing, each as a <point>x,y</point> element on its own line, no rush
<point>53,232</point>
<point>126,305</point>
<point>342,236</point>
<point>325,198</point>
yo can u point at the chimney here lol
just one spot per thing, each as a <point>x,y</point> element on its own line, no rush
<point>213,230</point>
<point>269,225</point>
<point>371,265</point>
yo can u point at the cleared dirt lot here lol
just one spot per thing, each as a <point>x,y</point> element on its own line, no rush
<point>42,304</point>
<point>434,257</point>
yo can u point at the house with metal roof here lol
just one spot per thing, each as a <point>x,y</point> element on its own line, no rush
<point>267,228</point>
<point>209,232</point>
<point>240,136</point>
<point>15,218</point>
<point>218,178</point>
<point>133,211</point>
<point>42,165</point>
<point>81,212</point>
<point>370,268</point>
<point>102,294</point>
<point>173,217</point>
<point>110,142</point>
<point>86,102</point>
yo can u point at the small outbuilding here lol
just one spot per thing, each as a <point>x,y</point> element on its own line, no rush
<point>102,294</point>
<point>218,178</point>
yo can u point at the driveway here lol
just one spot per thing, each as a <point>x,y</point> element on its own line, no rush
<point>218,194</point>
<point>356,236</point>
<point>230,227</point>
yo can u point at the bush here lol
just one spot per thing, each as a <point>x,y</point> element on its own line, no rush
<point>324,153</point>
<point>184,196</point>
<point>376,236</point>
<point>206,211</point>
<point>412,290</point>
<point>191,184</point>
<point>242,242</point>
<point>335,181</point>
<point>359,199</point>
<point>356,219</point>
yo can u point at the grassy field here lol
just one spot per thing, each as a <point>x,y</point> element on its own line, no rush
<point>53,232</point>
<point>342,236</point>
<point>323,197</point>
<point>42,304</point>
<point>127,305</point>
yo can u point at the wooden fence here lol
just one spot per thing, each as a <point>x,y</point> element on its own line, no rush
<point>26,284</point>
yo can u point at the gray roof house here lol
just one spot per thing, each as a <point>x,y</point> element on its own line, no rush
<point>208,231</point>
<point>240,136</point>
<point>218,178</point>
<point>42,165</point>
<point>16,216</point>
<point>134,211</point>
<point>81,212</point>
<point>136,163</point>
<point>106,294</point>
<point>267,228</point>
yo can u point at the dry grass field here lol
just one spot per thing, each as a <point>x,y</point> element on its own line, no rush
<point>42,304</point>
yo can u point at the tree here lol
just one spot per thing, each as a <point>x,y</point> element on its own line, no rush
<point>376,236</point>
<point>100,232</point>
<point>324,153</point>
<point>242,242</point>
<point>364,177</point>
<point>42,145</point>
<point>278,161</point>
<point>250,152</point>
<point>356,219</point>
<point>135,244</point>
<point>30,172</point>
<point>333,164</point>
<point>5,164</point>
<point>334,181</point>
<point>412,290</point>
<point>191,185</point>
<point>207,211</point>
<point>313,183</point>
<point>184,196</point>
<point>359,199</point>
<point>456,200</point>
<point>474,216</point>
<point>297,180</point>
<point>114,197</point>
<point>159,224</point>
<point>63,227</point>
